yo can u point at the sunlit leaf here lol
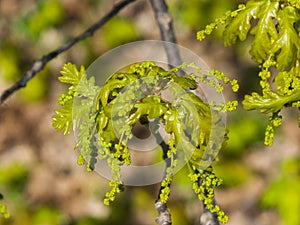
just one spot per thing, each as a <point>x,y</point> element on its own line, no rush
<point>70,74</point>
<point>288,43</point>
<point>240,25</point>
<point>264,32</point>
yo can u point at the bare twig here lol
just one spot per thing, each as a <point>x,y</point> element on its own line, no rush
<point>165,23</point>
<point>39,64</point>
<point>164,217</point>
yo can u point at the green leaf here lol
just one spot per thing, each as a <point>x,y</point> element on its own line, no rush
<point>116,82</point>
<point>288,43</point>
<point>62,120</point>
<point>173,124</point>
<point>269,102</point>
<point>87,88</point>
<point>239,26</point>
<point>265,31</point>
<point>152,110</point>
<point>109,132</point>
<point>102,121</point>
<point>186,82</point>
<point>70,74</point>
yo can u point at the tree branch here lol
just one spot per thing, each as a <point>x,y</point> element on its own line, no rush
<point>165,23</point>
<point>39,64</point>
<point>164,215</point>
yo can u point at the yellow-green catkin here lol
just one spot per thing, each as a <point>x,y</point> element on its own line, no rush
<point>3,210</point>
<point>274,121</point>
<point>201,35</point>
<point>204,182</point>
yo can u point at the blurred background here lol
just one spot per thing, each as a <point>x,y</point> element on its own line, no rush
<point>39,177</point>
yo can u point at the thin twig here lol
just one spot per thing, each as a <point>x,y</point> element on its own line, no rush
<point>165,23</point>
<point>164,215</point>
<point>39,64</point>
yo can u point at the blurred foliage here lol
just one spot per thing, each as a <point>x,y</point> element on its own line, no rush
<point>284,193</point>
<point>43,16</point>
<point>245,129</point>
<point>43,215</point>
<point>196,14</point>
<point>14,176</point>
<point>47,216</point>
<point>13,179</point>
<point>37,88</point>
<point>233,173</point>
<point>9,60</point>
<point>119,31</point>
<point>3,209</point>
<point>48,13</point>
<point>88,221</point>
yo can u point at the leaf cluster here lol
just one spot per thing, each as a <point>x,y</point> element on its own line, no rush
<point>275,46</point>
<point>103,117</point>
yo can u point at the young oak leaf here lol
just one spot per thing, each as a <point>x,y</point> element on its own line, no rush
<point>152,110</point>
<point>265,33</point>
<point>70,74</point>
<point>63,118</point>
<point>240,25</point>
<point>288,43</point>
<point>269,102</point>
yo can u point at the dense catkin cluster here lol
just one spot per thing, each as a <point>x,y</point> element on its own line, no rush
<point>204,182</point>
<point>65,98</point>
<point>171,159</point>
<point>225,107</point>
<point>116,187</point>
<point>274,121</point>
